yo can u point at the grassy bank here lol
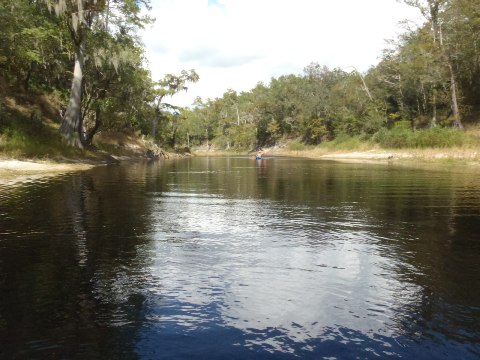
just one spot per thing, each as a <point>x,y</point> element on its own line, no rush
<point>399,144</point>
<point>29,126</point>
<point>445,145</point>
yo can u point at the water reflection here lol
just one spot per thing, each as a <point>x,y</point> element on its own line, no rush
<point>69,263</point>
<point>233,258</point>
<point>257,280</point>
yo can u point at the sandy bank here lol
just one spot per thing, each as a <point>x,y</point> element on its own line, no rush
<point>453,155</point>
<point>13,172</point>
<point>20,166</point>
<point>424,155</point>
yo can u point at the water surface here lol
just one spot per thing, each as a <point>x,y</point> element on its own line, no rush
<point>233,258</point>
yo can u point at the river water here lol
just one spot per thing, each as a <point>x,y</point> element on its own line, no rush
<point>234,258</point>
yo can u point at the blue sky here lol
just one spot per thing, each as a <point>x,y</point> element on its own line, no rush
<point>234,44</point>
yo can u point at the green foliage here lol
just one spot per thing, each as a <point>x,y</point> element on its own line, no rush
<point>274,130</point>
<point>41,39</point>
<point>32,46</point>
<point>419,79</point>
<point>400,137</point>
<point>316,131</point>
<point>243,137</point>
<point>374,121</point>
<point>423,78</point>
<point>403,124</point>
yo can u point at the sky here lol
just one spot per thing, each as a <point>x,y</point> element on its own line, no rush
<point>234,44</point>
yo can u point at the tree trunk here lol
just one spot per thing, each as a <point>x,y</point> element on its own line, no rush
<point>453,89</point>
<point>91,132</point>
<point>238,115</point>
<point>424,99</point>
<point>434,109</point>
<point>453,83</point>
<point>174,139</point>
<point>402,105</point>
<point>71,127</point>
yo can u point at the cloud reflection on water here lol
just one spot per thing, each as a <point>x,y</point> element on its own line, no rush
<point>259,267</point>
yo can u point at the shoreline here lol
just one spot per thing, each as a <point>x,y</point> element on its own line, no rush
<point>469,156</point>
<point>427,155</point>
<point>12,167</point>
<point>13,171</point>
<point>32,166</point>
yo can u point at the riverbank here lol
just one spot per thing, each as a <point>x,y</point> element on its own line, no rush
<point>428,155</point>
<point>14,171</point>
<point>120,148</point>
<point>456,155</point>
<point>12,165</point>
<point>110,148</point>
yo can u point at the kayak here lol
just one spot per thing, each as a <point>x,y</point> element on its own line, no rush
<point>258,157</point>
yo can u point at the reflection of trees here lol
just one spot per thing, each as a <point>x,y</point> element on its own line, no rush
<point>433,224</point>
<point>73,251</point>
<point>71,260</point>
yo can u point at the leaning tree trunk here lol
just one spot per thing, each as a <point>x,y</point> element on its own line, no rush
<point>71,127</point>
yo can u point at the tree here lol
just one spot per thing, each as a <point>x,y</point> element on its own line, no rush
<point>434,12</point>
<point>32,44</point>
<point>462,36</point>
<point>84,19</point>
<point>169,86</point>
<point>116,83</point>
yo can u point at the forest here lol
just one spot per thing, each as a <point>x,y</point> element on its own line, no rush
<point>70,69</point>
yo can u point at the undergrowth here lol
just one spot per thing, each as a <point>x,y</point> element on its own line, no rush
<point>399,138</point>
<point>22,137</point>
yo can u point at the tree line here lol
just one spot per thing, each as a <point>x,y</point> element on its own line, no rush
<point>89,53</point>
<point>427,78</point>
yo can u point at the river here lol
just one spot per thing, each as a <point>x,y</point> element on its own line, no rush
<point>235,258</point>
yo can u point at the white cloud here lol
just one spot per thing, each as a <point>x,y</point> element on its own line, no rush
<point>237,43</point>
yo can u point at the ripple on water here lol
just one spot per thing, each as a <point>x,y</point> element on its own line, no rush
<point>173,264</point>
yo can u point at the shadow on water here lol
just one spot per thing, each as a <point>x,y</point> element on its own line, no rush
<point>236,258</point>
<point>72,266</point>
